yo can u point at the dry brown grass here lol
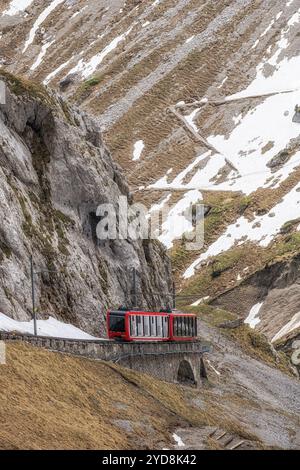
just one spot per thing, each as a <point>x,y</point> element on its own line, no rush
<point>55,401</point>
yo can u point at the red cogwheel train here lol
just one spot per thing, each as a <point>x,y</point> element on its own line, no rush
<point>132,325</point>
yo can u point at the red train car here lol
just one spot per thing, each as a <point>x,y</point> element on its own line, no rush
<point>134,325</point>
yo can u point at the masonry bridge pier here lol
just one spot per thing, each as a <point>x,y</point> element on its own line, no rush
<point>173,362</point>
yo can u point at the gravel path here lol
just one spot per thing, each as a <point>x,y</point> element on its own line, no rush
<point>270,406</point>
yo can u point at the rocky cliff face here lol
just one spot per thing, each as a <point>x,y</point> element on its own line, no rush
<point>276,290</point>
<point>54,171</point>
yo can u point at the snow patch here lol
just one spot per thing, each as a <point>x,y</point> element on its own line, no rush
<point>285,74</point>
<point>252,320</point>
<point>177,223</point>
<point>41,55</point>
<point>213,368</point>
<point>138,149</point>
<point>50,327</point>
<point>200,301</point>
<point>223,82</point>
<point>55,72</point>
<point>293,324</point>
<point>189,39</point>
<point>16,6</point>
<point>41,18</point>
<point>88,68</point>
<point>178,440</point>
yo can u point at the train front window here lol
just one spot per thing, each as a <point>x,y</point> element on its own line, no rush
<point>184,326</point>
<point>117,323</point>
<point>190,329</point>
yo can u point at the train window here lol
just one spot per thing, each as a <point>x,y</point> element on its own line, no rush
<point>152,326</point>
<point>147,325</point>
<point>117,323</point>
<point>184,326</point>
<point>165,327</point>
<point>132,325</point>
<point>139,326</point>
<point>180,330</point>
<point>159,326</point>
<point>179,326</point>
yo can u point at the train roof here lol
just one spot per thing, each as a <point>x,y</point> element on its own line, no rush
<point>145,312</point>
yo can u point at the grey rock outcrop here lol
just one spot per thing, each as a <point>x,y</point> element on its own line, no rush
<point>276,287</point>
<point>54,171</point>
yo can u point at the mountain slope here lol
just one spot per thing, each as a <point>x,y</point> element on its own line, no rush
<point>55,172</point>
<point>197,102</point>
<point>94,405</point>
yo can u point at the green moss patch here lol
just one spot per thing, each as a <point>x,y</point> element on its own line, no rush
<point>21,86</point>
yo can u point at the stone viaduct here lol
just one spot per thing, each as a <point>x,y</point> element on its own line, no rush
<point>170,361</point>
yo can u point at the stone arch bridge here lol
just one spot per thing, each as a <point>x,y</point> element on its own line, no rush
<point>170,361</point>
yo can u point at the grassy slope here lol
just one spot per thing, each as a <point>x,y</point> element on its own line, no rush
<point>51,400</point>
<point>222,272</point>
<point>253,343</point>
<point>55,401</point>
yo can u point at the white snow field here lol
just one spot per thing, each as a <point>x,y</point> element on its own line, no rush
<point>50,327</point>
<point>258,136</point>
<point>17,6</point>
<point>177,223</point>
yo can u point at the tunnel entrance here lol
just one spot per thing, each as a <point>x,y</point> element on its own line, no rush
<point>185,374</point>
